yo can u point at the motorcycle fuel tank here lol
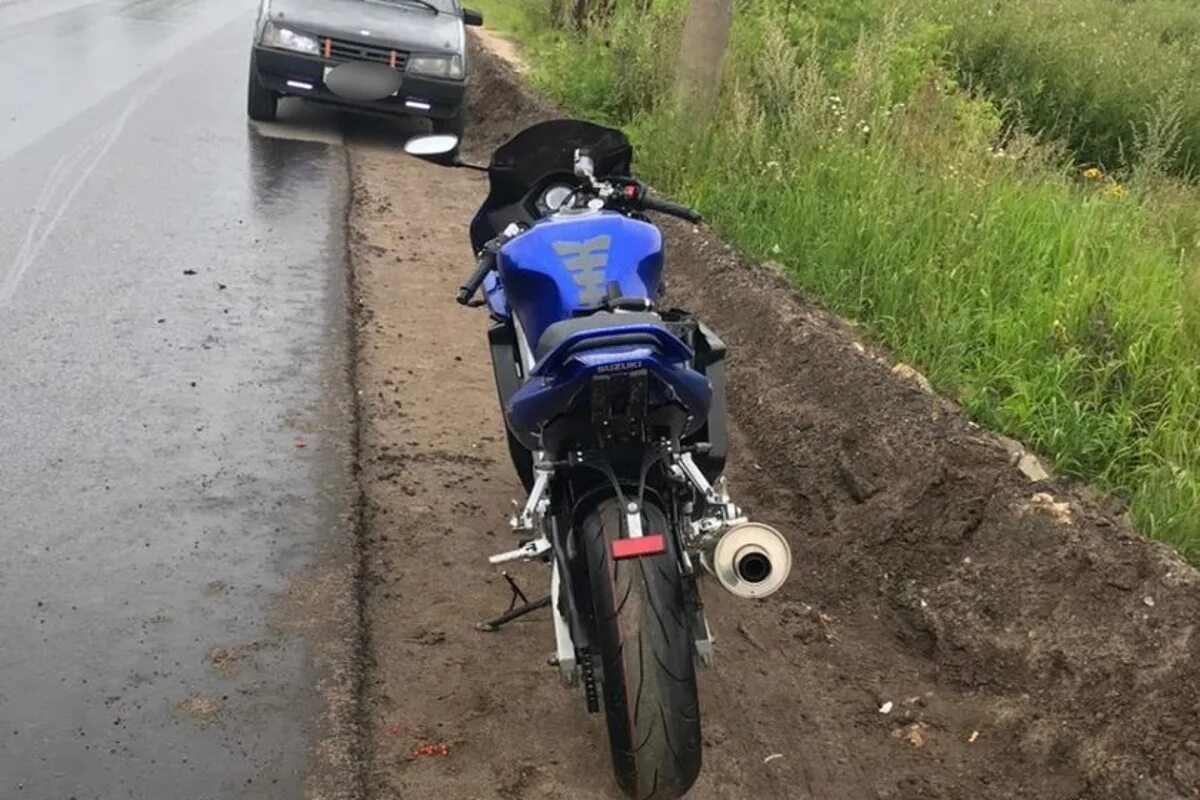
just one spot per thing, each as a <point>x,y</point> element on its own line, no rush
<point>567,262</point>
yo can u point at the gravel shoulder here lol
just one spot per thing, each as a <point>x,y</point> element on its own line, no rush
<point>1023,640</point>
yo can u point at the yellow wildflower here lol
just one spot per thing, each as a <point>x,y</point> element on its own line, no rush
<point>1114,190</point>
<point>1093,173</point>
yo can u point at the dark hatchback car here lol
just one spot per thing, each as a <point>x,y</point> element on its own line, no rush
<point>390,57</point>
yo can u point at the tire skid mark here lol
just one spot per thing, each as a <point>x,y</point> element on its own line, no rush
<point>92,151</point>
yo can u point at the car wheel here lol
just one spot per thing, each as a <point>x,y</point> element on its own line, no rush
<point>451,125</point>
<point>261,102</point>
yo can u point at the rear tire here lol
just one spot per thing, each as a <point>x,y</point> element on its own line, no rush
<point>262,104</point>
<point>646,669</point>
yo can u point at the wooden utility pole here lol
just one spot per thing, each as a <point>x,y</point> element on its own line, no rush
<point>701,53</point>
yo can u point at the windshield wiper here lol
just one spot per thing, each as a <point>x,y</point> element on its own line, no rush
<point>421,3</point>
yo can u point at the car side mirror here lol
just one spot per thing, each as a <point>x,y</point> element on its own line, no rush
<point>472,17</point>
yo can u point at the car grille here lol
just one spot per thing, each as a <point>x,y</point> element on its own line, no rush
<point>342,50</point>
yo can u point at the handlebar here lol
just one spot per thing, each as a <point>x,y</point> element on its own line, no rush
<point>634,195</point>
<point>485,264</point>
<point>671,209</point>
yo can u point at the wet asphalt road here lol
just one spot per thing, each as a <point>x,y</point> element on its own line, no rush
<point>175,446</point>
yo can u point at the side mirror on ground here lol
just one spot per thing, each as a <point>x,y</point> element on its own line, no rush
<point>472,17</point>
<point>432,148</point>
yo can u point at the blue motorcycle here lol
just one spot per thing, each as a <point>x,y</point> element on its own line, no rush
<point>614,407</point>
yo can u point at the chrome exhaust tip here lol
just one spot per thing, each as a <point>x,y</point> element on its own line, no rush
<point>752,560</point>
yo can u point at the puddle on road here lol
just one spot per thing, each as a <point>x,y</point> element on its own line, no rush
<point>323,131</point>
<point>304,121</point>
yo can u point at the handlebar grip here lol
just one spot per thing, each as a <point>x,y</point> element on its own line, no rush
<point>485,264</point>
<point>672,209</point>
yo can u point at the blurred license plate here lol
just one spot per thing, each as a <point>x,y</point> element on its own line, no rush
<point>325,77</point>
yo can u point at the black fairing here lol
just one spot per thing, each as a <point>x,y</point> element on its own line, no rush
<point>506,361</point>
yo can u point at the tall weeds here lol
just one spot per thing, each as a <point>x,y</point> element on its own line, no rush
<point>1099,74</point>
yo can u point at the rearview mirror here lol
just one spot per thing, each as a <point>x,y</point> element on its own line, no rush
<point>438,144</point>
<point>472,17</point>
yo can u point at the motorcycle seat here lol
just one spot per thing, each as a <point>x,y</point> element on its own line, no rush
<point>559,332</point>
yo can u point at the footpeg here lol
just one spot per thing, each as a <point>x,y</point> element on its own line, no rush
<point>535,548</point>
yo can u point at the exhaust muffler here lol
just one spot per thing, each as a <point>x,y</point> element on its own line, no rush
<point>752,560</point>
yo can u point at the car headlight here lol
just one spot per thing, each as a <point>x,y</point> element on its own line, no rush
<point>286,39</point>
<point>437,66</point>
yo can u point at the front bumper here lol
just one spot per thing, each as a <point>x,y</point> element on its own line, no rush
<point>418,96</point>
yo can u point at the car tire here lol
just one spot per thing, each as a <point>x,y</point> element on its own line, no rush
<point>453,125</point>
<point>261,103</point>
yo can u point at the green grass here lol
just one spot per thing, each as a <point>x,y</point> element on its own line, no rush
<point>502,16</point>
<point>1115,79</point>
<point>1058,309</point>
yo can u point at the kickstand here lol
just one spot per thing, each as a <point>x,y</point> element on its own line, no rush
<point>514,611</point>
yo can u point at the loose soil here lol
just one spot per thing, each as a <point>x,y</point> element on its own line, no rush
<point>1022,640</point>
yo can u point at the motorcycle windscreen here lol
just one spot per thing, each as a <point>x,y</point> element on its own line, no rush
<point>540,150</point>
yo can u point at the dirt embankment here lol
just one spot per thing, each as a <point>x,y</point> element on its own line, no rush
<point>1024,642</point>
